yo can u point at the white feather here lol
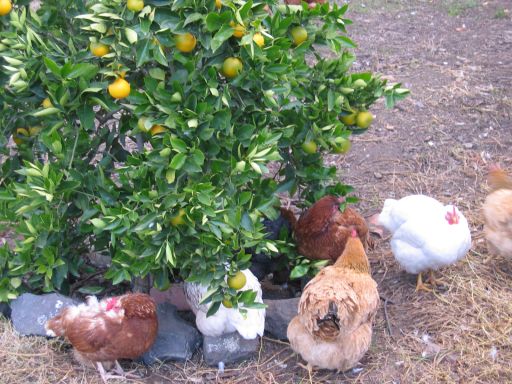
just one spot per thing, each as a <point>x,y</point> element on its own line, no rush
<point>422,237</point>
<point>227,320</point>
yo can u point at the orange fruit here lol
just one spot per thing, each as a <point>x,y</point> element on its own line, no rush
<point>299,34</point>
<point>185,42</point>
<point>177,220</point>
<point>227,303</point>
<point>33,130</point>
<point>364,119</point>
<point>17,137</point>
<point>155,129</point>
<point>99,49</point>
<point>47,103</point>
<point>5,7</point>
<point>238,281</point>
<point>309,148</point>
<point>349,119</point>
<point>135,5</point>
<point>218,4</point>
<point>140,123</point>
<point>258,39</point>
<point>119,89</point>
<point>232,67</point>
<point>239,29</point>
<point>343,147</point>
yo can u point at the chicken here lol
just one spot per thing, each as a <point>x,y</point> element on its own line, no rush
<point>227,320</point>
<point>426,235</point>
<point>101,332</point>
<point>497,212</point>
<point>311,3</point>
<point>333,328</point>
<point>322,231</point>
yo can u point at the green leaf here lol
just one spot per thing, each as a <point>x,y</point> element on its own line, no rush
<point>178,161</point>
<point>224,33</point>
<point>52,66</point>
<point>86,115</point>
<point>90,290</point>
<point>298,271</point>
<point>143,53</point>
<point>179,145</point>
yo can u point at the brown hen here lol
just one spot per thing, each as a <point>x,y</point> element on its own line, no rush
<point>497,212</point>
<point>322,231</point>
<point>121,327</point>
<point>333,329</point>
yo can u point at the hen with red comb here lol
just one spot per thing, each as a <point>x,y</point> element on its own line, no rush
<point>427,236</point>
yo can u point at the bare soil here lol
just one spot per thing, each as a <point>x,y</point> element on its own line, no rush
<point>456,58</point>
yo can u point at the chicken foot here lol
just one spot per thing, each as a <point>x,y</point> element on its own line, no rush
<point>433,280</point>
<point>421,285</point>
<point>120,373</point>
<point>310,369</point>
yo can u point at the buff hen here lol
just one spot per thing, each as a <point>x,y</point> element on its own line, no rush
<point>333,328</point>
<point>497,212</point>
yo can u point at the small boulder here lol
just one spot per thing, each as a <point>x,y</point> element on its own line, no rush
<point>5,310</point>
<point>278,315</point>
<point>228,348</point>
<point>175,295</point>
<point>177,339</point>
<point>30,312</point>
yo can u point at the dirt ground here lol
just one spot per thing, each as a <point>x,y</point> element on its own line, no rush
<point>456,59</point>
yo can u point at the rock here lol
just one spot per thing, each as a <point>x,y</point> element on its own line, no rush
<point>5,310</point>
<point>468,145</point>
<point>175,295</point>
<point>228,348</point>
<point>30,312</point>
<point>278,315</point>
<point>431,350</point>
<point>451,358</point>
<point>177,339</point>
<point>377,175</point>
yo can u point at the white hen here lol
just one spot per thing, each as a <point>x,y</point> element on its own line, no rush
<point>227,320</point>
<point>426,235</point>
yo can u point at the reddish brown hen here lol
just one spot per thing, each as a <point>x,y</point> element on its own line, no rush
<point>322,231</point>
<point>333,329</point>
<point>121,327</point>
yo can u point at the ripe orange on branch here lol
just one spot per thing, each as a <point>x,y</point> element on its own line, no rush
<point>5,7</point>
<point>185,42</point>
<point>232,67</point>
<point>99,49</point>
<point>119,89</point>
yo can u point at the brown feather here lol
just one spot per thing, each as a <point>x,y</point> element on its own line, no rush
<point>126,331</point>
<point>322,231</point>
<point>499,179</point>
<point>333,328</point>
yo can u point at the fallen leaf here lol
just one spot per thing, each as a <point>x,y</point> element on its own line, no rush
<point>374,219</point>
<point>390,127</point>
<point>460,29</point>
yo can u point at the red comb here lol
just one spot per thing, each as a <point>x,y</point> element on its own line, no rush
<point>111,303</point>
<point>354,233</point>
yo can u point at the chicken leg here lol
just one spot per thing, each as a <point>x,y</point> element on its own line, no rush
<point>421,285</point>
<point>432,279</point>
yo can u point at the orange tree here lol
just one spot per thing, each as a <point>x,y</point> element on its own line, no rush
<point>214,94</point>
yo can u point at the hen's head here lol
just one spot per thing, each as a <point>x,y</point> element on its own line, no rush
<point>452,217</point>
<point>112,304</point>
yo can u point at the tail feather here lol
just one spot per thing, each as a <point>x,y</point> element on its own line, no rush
<point>288,215</point>
<point>385,216</point>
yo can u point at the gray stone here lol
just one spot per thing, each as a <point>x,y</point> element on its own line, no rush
<point>278,315</point>
<point>176,340</point>
<point>5,310</point>
<point>228,348</point>
<point>30,312</point>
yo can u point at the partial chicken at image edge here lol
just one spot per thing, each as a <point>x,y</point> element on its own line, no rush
<point>333,328</point>
<point>102,332</point>
<point>497,212</point>
<point>427,236</point>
